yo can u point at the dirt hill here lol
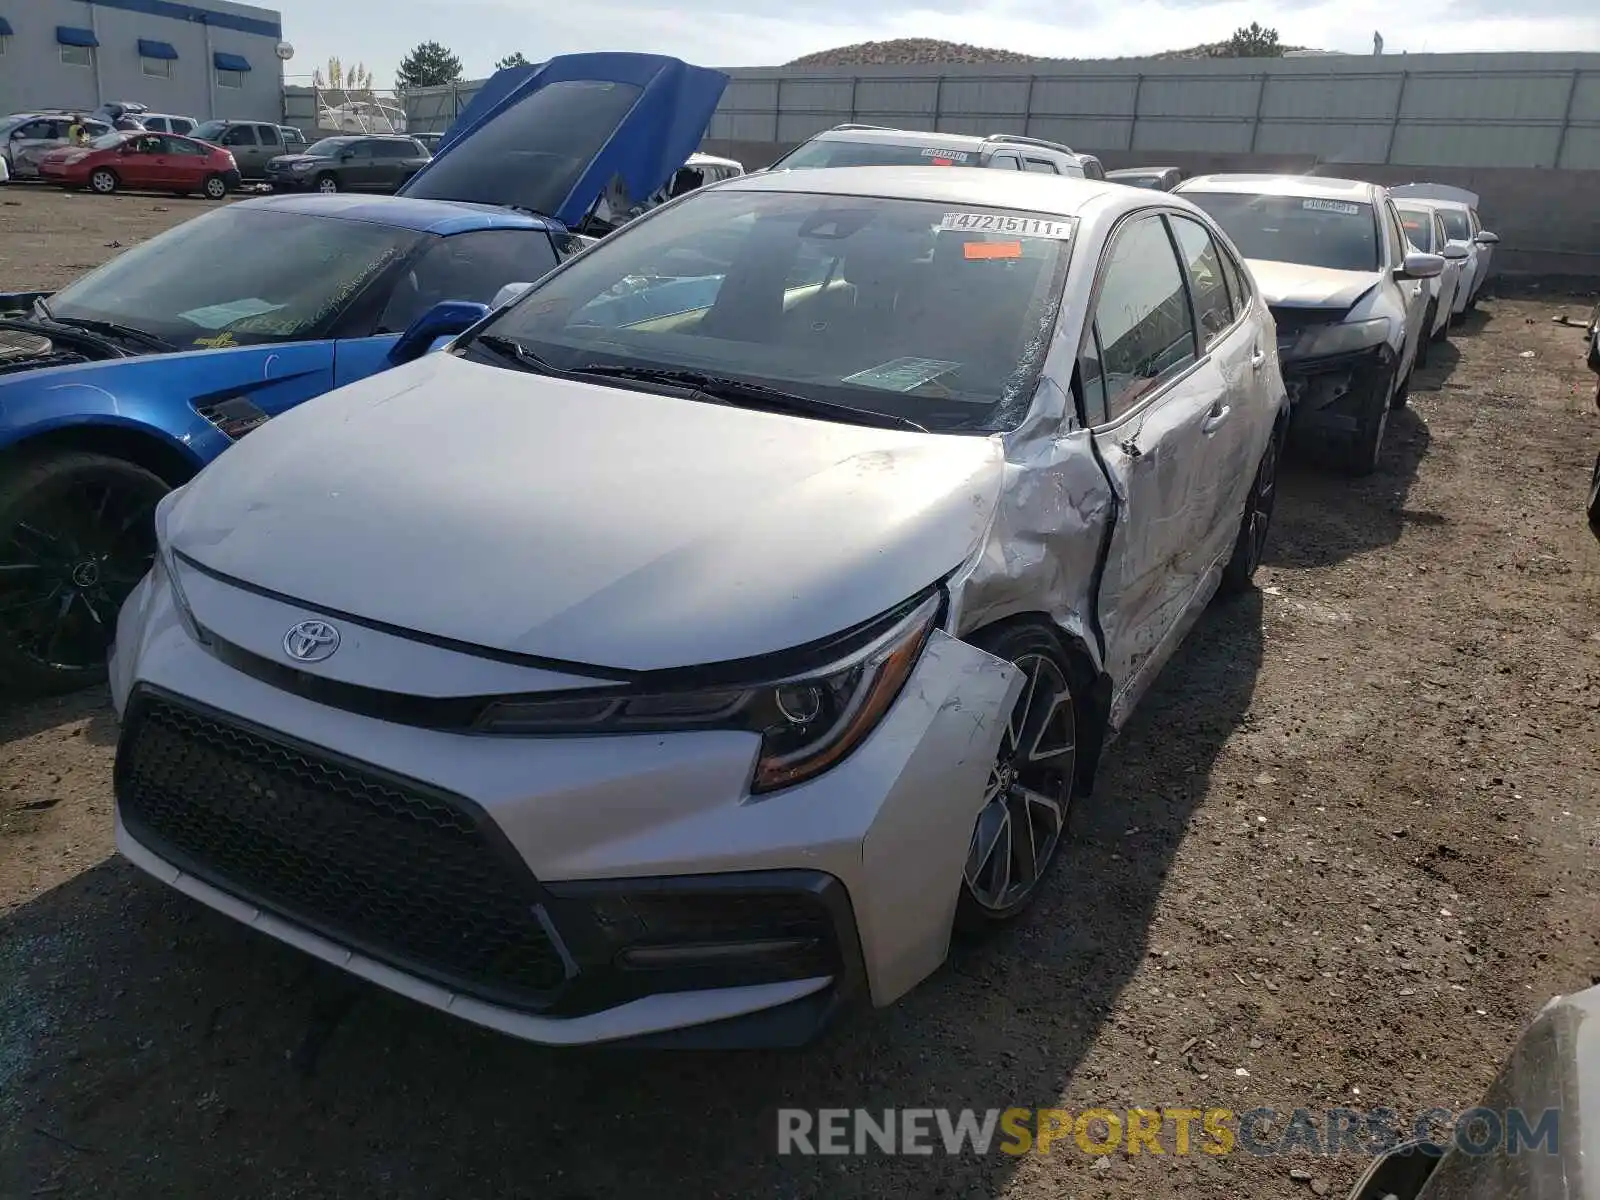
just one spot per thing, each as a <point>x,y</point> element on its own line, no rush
<point>932,51</point>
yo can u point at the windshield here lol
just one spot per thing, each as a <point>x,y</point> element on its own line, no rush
<point>1339,234</point>
<point>904,308</point>
<point>1455,224</point>
<point>1418,224</point>
<point>830,153</point>
<point>210,130</point>
<point>238,276</point>
<point>572,119</point>
<point>109,141</point>
<point>327,147</point>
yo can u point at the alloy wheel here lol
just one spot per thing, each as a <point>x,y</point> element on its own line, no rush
<point>1028,794</point>
<point>103,182</point>
<point>328,186</point>
<point>216,189</point>
<point>67,563</point>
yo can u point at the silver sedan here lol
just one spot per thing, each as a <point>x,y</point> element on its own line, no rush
<point>680,653</point>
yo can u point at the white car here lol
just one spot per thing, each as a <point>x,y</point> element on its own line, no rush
<point>1347,290</point>
<point>1459,210</point>
<point>1424,226</point>
<point>676,658</point>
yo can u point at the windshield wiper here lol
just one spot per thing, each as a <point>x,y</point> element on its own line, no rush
<point>516,353</point>
<point>756,394</point>
<point>112,329</point>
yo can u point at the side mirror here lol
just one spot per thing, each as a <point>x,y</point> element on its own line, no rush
<point>508,293</point>
<point>1487,239</point>
<point>1454,251</point>
<point>346,155</point>
<point>445,319</point>
<point>1420,266</point>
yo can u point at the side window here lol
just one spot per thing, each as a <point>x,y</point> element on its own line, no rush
<point>1440,237</point>
<point>181,146</point>
<point>1203,265</point>
<point>1472,218</point>
<point>268,135</point>
<point>1093,379</point>
<point>1040,165</point>
<point>179,125</point>
<point>1006,162</point>
<point>361,150</point>
<point>468,266</point>
<point>34,129</point>
<point>1397,235</point>
<point>1142,314</point>
<point>239,135</point>
<point>1238,281</point>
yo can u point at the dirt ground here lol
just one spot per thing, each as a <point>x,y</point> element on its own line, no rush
<point>1343,852</point>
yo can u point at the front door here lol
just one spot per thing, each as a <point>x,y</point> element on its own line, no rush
<point>1413,292</point>
<point>241,142</point>
<point>1149,407</point>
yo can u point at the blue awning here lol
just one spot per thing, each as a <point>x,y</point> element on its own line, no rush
<point>5,27</point>
<point>70,35</point>
<point>153,49</point>
<point>230,62</point>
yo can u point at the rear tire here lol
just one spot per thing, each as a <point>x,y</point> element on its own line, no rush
<point>1250,546</point>
<point>104,181</point>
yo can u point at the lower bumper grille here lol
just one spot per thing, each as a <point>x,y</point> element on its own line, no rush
<point>400,871</point>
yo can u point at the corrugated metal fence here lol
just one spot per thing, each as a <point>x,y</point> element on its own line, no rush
<point>1447,110</point>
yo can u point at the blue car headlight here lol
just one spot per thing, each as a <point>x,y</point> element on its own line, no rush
<point>807,722</point>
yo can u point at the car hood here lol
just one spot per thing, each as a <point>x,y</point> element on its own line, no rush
<point>589,524</point>
<point>532,139</point>
<point>1293,285</point>
<point>290,159</point>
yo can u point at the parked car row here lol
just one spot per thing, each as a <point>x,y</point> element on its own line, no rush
<point>447,678</point>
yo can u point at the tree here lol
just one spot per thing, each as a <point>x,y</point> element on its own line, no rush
<point>514,59</point>
<point>337,77</point>
<point>429,65</point>
<point>1252,41</point>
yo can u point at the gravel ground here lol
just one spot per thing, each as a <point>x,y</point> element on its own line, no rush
<point>1343,852</point>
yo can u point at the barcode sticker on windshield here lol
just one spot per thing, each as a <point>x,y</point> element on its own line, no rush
<point>1338,206</point>
<point>952,155</point>
<point>1037,227</point>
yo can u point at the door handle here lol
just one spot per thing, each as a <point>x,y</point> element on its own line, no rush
<point>1256,359</point>
<point>1217,417</point>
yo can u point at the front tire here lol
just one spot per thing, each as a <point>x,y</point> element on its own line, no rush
<point>215,187</point>
<point>327,184</point>
<point>77,533</point>
<point>1425,337</point>
<point>1028,797</point>
<point>1594,498</point>
<point>1365,448</point>
<point>104,181</point>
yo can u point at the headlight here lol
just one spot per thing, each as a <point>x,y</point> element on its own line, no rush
<point>302,166</point>
<point>1324,341</point>
<point>807,722</point>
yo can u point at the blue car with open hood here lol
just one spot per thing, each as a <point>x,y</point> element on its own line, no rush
<point>126,383</point>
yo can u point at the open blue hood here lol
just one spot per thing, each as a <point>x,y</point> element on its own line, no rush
<point>554,138</point>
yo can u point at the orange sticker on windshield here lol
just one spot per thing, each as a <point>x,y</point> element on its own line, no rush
<point>992,250</point>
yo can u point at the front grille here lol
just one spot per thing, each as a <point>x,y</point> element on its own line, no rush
<point>389,866</point>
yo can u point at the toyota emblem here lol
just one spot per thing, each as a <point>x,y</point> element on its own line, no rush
<point>311,641</point>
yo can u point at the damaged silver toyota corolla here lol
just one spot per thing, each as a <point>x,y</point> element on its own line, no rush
<point>1345,285</point>
<point>678,655</point>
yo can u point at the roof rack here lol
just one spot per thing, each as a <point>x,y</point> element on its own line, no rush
<point>1016,139</point>
<point>856,125</point>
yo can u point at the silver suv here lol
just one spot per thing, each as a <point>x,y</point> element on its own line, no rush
<point>878,146</point>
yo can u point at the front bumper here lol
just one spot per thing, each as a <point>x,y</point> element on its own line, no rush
<point>563,890</point>
<point>232,179</point>
<point>1329,395</point>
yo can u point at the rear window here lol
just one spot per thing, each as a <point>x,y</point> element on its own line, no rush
<point>831,153</point>
<point>897,306</point>
<point>1338,234</point>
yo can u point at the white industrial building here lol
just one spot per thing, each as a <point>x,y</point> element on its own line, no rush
<point>210,58</point>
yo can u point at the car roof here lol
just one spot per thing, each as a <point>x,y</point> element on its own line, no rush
<point>900,137</point>
<point>1141,170</point>
<point>1318,187</point>
<point>442,217</point>
<point>1058,194</point>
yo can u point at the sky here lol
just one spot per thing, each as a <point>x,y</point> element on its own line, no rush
<point>740,33</point>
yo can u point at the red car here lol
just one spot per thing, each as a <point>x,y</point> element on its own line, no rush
<point>160,162</point>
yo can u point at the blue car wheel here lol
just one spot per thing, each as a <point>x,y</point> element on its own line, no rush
<point>77,533</point>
